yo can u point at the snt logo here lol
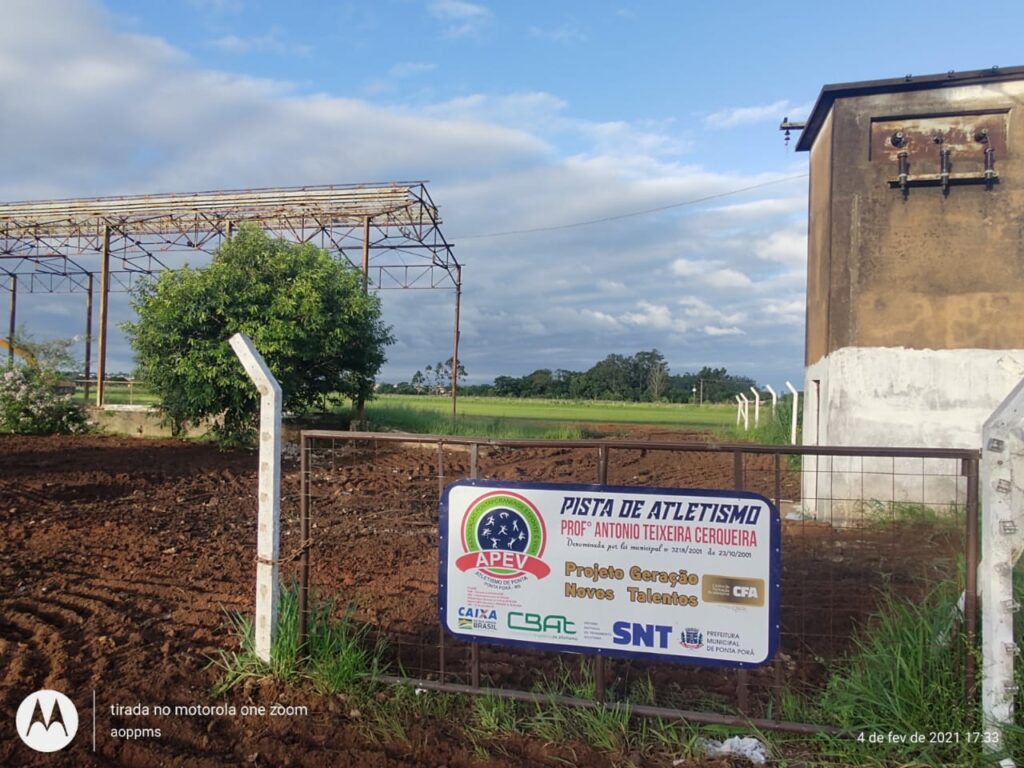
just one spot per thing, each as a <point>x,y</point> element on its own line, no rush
<point>47,720</point>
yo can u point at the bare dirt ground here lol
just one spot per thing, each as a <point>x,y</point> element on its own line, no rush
<point>119,559</point>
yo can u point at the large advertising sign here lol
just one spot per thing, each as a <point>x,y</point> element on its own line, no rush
<point>662,573</point>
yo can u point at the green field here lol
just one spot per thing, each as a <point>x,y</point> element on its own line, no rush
<point>117,392</point>
<point>515,417</point>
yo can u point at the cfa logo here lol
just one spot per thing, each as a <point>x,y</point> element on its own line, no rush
<point>47,720</point>
<point>534,622</point>
<point>749,593</point>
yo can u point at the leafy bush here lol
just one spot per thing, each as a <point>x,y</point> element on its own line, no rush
<point>305,312</point>
<point>30,404</point>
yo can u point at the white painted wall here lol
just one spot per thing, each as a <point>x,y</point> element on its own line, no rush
<point>892,396</point>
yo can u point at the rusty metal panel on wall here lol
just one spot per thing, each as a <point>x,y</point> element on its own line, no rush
<point>966,135</point>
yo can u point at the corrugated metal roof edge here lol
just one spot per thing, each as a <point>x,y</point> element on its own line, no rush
<point>830,93</point>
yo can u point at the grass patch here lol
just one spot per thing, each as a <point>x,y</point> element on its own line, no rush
<point>882,514</point>
<point>339,654</point>
<point>773,429</point>
<point>409,419</point>
<point>905,677</point>
<point>577,413</point>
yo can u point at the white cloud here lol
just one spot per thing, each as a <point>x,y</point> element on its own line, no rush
<point>727,278</point>
<point>272,42</point>
<point>656,316</point>
<point>713,330</point>
<point>735,116</point>
<point>464,19</point>
<point>411,69</point>
<point>549,299</point>
<point>788,246</point>
<point>565,33</point>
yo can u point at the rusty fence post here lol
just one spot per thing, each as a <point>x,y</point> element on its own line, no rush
<point>440,491</point>
<point>970,468</point>
<point>742,682</point>
<point>303,542</point>
<point>474,647</point>
<point>599,661</point>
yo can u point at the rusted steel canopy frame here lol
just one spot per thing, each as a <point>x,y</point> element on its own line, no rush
<point>38,240</point>
<point>405,221</point>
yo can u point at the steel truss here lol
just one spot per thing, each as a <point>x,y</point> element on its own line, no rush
<point>391,232</point>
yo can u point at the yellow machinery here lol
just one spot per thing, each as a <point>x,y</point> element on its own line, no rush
<point>24,354</point>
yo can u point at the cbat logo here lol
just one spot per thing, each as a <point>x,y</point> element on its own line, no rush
<point>46,720</point>
<point>534,622</point>
<point>691,638</point>
<point>503,536</point>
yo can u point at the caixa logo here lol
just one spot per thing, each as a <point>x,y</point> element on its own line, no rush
<point>477,618</point>
<point>503,537</point>
<point>641,635</point>
<point>487,614</point>
<point>535,622</point>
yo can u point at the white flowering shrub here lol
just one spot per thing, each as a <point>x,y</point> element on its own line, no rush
<point>30,404</point>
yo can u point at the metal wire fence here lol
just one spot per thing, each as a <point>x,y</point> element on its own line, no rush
<point>857,524</point>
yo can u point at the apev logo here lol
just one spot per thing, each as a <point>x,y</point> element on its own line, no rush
<point>503,538</point>
<point>47,720</point>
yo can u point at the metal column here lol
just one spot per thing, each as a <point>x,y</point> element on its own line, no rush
<point>101,363</point>
<point>455,342</point>
<point>14,315</point>
<point>88,336</point>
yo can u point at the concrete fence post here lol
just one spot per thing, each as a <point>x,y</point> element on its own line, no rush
<point>1002,541</point>
<point>268,535</point>
<point>775,398</point>
<point>796,402</point>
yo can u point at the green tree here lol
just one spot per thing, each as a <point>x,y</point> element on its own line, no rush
<point>305,312</point>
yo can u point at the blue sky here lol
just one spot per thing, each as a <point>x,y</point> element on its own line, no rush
<point>522,115</point>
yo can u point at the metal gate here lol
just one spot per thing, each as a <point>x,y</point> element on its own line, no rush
<point>857,523</point>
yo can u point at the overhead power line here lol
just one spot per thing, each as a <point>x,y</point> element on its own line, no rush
<point>631,214</point>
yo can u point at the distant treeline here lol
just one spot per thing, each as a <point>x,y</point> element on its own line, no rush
<point>643,377</point>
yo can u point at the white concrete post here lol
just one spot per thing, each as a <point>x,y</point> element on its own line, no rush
<point>746,411</point>
<point>796,402</point>
<point>757,406</point>
<point>1002,541</point>
<point>739,410</point>
<point>775,398</point>
<point>268,536</point>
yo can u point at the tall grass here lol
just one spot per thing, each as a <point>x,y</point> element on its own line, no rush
<point>338,653</point>
<point>773,429</point>
<point>904,680</point>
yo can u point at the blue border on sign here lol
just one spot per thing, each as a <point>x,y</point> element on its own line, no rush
<point>774,571</point>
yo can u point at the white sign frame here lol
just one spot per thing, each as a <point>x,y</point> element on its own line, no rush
<point>670,600</point>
